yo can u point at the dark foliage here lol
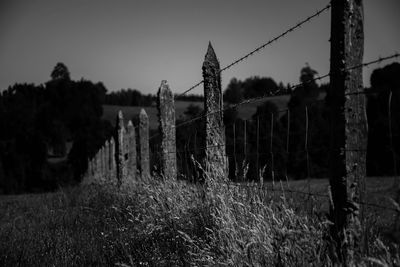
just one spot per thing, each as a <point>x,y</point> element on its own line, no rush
<point>189,97</point>
<point>384,138</point>
<point>129,97</point>
<point>238,90</point>
<point>45,125</point>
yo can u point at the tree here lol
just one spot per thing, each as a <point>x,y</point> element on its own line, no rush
<point>256,86</point>
<point>60,72</point>
<point>189,138</point>
<point>233,93</point>
<point>383,148</point>
<point>306,98</point>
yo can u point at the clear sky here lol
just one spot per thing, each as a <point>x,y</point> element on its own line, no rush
<point>136,44</point>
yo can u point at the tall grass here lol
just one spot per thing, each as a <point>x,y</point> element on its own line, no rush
<point>164,222</point>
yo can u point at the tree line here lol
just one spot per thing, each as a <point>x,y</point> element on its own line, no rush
<point>49,131</point>
<point>42,124</point>
<point>235,92</point>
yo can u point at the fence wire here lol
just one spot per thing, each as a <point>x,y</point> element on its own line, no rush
<point>264,45</point>
<point>269,95</point>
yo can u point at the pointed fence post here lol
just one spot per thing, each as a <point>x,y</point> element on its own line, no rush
<point>215,157</point>
<point>166,115</point>
<point>98,168</point>
<point>348,128</point>
<point>144,144</point>
<point>120,150</point>
<point>90,171</point>
<point>103,164</point>
<point>106,162</point>
<point>131,151</point>
<point>112,163</point>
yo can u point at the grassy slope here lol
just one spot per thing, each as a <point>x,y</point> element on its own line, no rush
<point>168,224</point>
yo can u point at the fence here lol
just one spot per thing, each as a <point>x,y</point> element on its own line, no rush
<point>275,143</point>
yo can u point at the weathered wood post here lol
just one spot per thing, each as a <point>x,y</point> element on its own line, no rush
<point>90,171</point>
<point>103,164</point>
<point>97,167</point>
<point>144,144</point>
<point>215,157</point>
<point>112,163</point>
<point>107,161</point>
<point>166,115</point>
<point>131,151</point>
<point>120,150</point>
<point>348,127</point>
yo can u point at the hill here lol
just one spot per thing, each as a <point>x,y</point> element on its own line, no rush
<point>244,111</point>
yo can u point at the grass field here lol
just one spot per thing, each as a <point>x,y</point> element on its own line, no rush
<point>179,224</point>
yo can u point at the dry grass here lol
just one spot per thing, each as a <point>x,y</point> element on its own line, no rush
<point>170,223</point>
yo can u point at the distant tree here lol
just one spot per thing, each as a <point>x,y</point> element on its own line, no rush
<point>189,97</point>
<point>192,111</point>
<point>308,91</point>
<point>189,141</point>
<point>40,120</point>
<point>256,86</point>
<point>264,114</point>
<point>306,96</point>
<point>60,72</point>
<point>380,151</point>
<point>234,92</point>
<point>129,97</point>
<point>252,87</point>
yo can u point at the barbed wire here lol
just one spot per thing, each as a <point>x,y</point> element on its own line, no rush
<point>269,94</point>
<point>298,25</point>
<point>274,94</point>
<point>264,45</point>
<point>283,190</point>
<point>259,48</point>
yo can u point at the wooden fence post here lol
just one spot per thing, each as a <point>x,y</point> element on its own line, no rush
<point>98,168</point>
<point>144,144</point>
<point>112,162</point>
<point>90,171</point>
<point>166,115</point>
<point>120,149</point>
<point>103,164</point>
<point>131,151</point>
<point>348,127</point>
<point>215,157</point>
<point>107,162</point>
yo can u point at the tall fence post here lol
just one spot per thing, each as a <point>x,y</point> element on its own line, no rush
<point>131,151</point>
<point>144,144</point>
<point>348,127</point>
<point>98,167</point>
<point>166,115</point>
<point>120,149</point>
<point>215,157</point>
<point>90,171</point>
<point>107,161</point>
<point>101,151</point>
<point>112,163</point>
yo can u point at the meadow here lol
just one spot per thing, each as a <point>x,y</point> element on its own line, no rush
<point>175,223</point>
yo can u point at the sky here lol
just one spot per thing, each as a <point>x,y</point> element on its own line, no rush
<point>136,44</point>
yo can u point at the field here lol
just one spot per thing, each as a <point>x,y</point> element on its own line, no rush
<point>154,223</point>
<point>110,112</point>
<point>245,112</point>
